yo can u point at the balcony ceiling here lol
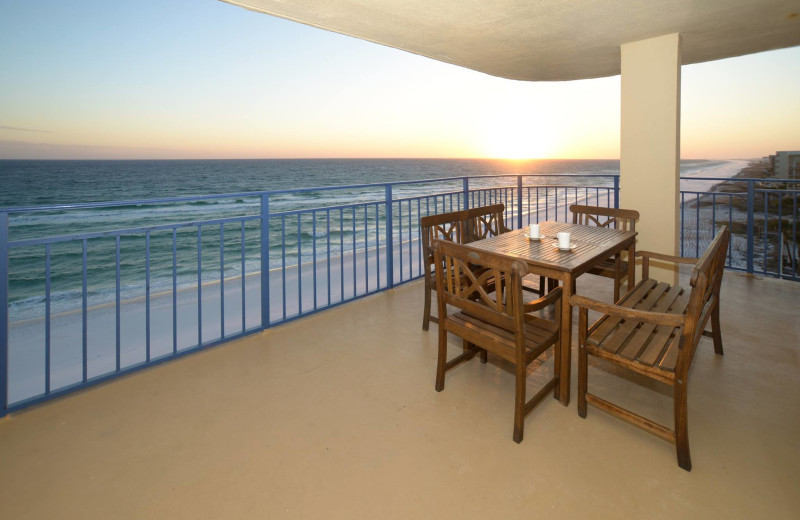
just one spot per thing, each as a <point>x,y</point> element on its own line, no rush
<point>549,40</point>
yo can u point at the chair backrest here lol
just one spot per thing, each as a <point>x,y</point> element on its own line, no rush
<point>613,218</point>
<point>484,222</point>
<point>462,284</point>
<point>706,279</point>
<point>444,226</point>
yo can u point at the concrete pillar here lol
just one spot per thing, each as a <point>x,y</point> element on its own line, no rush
<point>650,144</point>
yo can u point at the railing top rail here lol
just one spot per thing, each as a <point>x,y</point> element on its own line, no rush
<point>741,193</point>
<point>248,194</point>
<point>741,179</point>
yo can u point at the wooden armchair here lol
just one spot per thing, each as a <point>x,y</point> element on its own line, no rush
<point>623,219</point>
<point>488,221</point>
<point>484,222</point>
<point>502,325</point>
<point>654,331</point>
<point>444,226</point>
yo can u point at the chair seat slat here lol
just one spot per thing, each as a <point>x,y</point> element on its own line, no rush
<point>536,333</point>
<point>640,337</point>
<point>611,323</point>
<point>670,357</point>
<point>661,335</point>
<point>626,328</point>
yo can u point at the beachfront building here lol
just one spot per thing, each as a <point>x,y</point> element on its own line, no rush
<point>786,165</point>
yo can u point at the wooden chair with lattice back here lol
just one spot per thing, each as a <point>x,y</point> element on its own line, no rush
<point>484,222</point>
<point>488,221</point>
<point>612,218</point>
<point>444,226</point>
<point>503,324</point>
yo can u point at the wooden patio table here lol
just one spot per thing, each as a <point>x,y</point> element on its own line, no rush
<point>591,246</point>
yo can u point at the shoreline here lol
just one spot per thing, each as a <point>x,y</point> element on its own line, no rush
<point>186,288</point>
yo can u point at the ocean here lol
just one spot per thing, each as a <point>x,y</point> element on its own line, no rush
<point>56,183</point>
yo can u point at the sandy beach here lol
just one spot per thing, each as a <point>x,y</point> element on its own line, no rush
<point>711,216</point>
<point>722,172</point>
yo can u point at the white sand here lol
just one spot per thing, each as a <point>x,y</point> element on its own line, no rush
<point>721,172</point>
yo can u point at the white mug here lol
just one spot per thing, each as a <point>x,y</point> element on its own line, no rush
<point>563,240</point>
<point>533,231</point>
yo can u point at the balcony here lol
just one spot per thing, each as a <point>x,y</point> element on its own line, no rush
<point>335,416</point>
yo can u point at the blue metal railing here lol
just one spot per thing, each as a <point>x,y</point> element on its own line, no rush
<point>203,271</point>
<point>762,215</point>
<point>168,276</point>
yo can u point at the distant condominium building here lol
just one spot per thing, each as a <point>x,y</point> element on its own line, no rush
<point>786,164</point>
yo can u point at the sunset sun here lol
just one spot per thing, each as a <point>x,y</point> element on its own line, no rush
<point>517,138</point>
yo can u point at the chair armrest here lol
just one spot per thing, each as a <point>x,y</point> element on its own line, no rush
<point>648,255</point>
<point>666,258</point>
<point>659,318</point>
<point>549,299</point>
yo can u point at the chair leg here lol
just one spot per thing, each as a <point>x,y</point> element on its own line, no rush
<point>715,330</point>
<point>557,353</point>
<point>583,379</point>
<point>583,362</point>
<point>682,427</point>
<point>519,403</point>
<point>426,313</point>
<point>441,363</point>
<point>617,275</point>
<point>469,348</point>
<point>557,365</point>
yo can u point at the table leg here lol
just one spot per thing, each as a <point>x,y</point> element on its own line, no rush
<point>631,266</point>
<point>566,341</point>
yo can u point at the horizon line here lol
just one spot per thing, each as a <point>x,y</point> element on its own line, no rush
<point>513,160</point>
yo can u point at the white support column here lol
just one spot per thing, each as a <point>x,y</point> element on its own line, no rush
<point>650,144</point>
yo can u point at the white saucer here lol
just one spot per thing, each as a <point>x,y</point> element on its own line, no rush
<point>570,248</point>
<point>534,239</point>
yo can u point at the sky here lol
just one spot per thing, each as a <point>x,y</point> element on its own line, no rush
<point>202,79</point>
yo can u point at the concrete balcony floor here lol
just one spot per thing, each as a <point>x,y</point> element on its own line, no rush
<point>335,416</point>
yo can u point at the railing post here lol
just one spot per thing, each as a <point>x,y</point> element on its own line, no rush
<point>616,191</point>
<point>265,314</point>
<point>3,314</point>
<point>465,182</point>
<point>389,238</point>
<point>751,206</point>
<point>519,201</point>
